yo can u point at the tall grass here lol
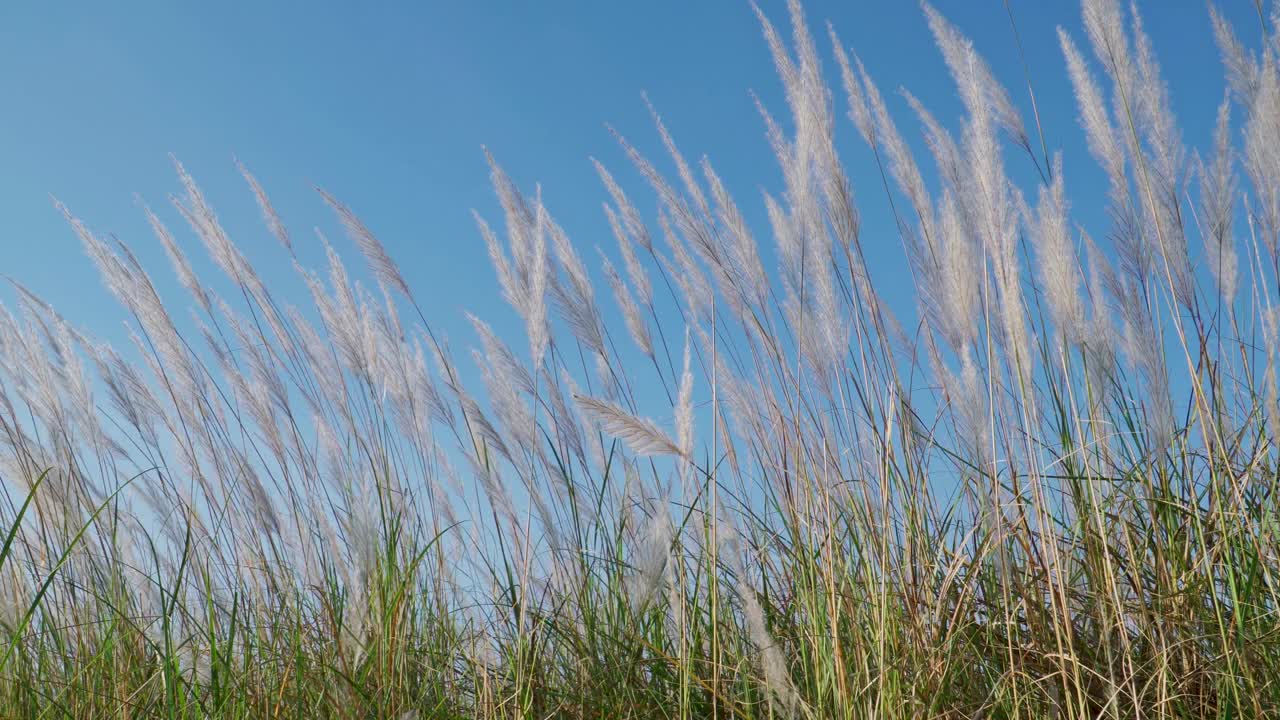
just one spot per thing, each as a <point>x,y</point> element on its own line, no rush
<point>1047,490</point>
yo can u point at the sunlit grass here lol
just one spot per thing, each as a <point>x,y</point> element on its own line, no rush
<point>1046,490</point>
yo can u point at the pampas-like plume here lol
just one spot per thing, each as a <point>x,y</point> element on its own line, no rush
<point>1104,23</point>
<point>652,559</point>
<point>859,109</point>
<point>1242,71</point>
<point>1058,268</point>
<point>744,257</point>
<point>181,265</point>
<point>640,435</point>
<point>380,262</point>
<point>956,276</point>
<point>901,162</point>
<point>1262,156</point>
<point>1094,116</point>
<point>535,300</point>
<point>269,214</point>
<point>1217,198</point>
<point>684,405</point>
<point>988,107</point>
<point>635,271</point>
<point>636,325</point>
<point>960,58</point>
<point>630,215</point>
<point>773,663</point>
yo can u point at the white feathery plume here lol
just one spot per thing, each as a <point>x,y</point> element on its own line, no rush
<point>518,218</point>
<point>269,214</point>
<point>902,163</point>
<point>1102,345</point>
<point>583,319</point>
<point>1242,71</point>
<point>126,280</point>
<point>790,250</point>
<point>694,229</point>
<point>569,260</point>
<point>339,314</point>
<point>959,271</point>
<point>1104,23</point>
<point>594,445</point>
<point>1095,118</point>
<point>198,213</point>
<point>1058,270</point>
<point>630,216</point>
<point>535,299</point>
<point>129,392</point>
<point>1217,198</point>
<point>497,352</point>
<point>321,361</point>
<point>511,291</point>
<point>859,110</point>
<point>947,157</point>
<point>685,406</point>
<point>563,422</point>
<point>682,167</point>
<point>958,53</point>
<point>684,269</point>
<point>987,106</point>
<point>744,258</point>
<point>575,298</point>
<point>1165,163</point>
<point>1154,112</point>
<point>1142,345</point>
<point>635,322</point>
<point>480,424</point>
<point>1262,155</point>
<point>440,410</point>
<point>773,663</point>
<point>260,363</point>
<point>635,271</point>
<point>181,265</point>
<point>610,380</point>
<point>969,403</point>
<point>640,435</point>
<point>781,58</point>
<point>504,399</point>
<point>651,559</point>
<point>380,262</point>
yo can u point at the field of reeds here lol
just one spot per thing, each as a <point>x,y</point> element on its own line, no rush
<point>1045,490</point>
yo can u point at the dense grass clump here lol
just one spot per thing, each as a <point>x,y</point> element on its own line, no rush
<point>1047,490</point>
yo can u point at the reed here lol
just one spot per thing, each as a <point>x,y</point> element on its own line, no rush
<point>1047,489</point>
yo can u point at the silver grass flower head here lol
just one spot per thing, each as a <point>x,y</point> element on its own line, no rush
<point>380,262</point>
<point>969,70</point>
<point>859,110</point>
<point>1058,268</point>
<point>269,215</point>
<point>181,265</point>
<point>631,315</point>
<point>631,217</point>
<point>1217,200</point>
<point>535,302</point>
<point>1242,70</point>
<point>1094,116</point>
<point>635,271</point>
<point>684,405</point>
<point>640,435</point>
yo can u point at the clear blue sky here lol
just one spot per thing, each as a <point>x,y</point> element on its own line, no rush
<point>387,104</point>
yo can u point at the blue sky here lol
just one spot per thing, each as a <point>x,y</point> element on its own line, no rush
<point>387,105</point>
